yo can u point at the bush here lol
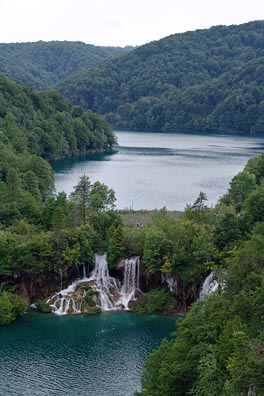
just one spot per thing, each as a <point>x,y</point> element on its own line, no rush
<point>93,311</point>
<point>11,306</point>
<point>156,302</point>
<point>43,306</point>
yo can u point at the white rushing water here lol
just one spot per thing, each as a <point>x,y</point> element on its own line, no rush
<point>209,286</point>
<point>131,281</point>
<point>99,290</point>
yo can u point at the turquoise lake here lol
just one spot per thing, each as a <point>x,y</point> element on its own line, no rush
<point>76,355</point>
<point>153,170</point>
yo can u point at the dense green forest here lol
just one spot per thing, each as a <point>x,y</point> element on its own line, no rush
<point>200,80</point>
<point>208,79</point>
<point>41,65</point>
<point>46,125</point>
<point>40,230</point>
<point>218,348</point>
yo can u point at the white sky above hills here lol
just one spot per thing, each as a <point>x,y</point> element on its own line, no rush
<point>118,22</point>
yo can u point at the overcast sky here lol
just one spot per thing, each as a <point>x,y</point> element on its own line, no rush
<point>117,22</point>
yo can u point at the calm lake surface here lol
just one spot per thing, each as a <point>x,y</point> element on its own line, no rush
<point>153,170</point>
<point>100,355</point>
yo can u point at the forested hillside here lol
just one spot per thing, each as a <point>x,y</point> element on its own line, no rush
<point>46,125</point>
<point>218,348</point>
<point>40,65</point>
<point>201,80</point>
<point>39,230</point>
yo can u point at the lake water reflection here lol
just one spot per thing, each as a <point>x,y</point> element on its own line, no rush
<point>153,170</point>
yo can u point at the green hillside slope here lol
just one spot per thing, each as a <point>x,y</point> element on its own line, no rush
<point>43,123</point>
<point>218,347</point>
<point>206,79</point>
<point>43,64</point>
<point>39,230</point>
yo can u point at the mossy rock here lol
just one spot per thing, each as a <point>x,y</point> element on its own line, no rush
<point>93,311</point>
<point>92,292</point>
<point>89,300</point>
<point>43,306</point>
<point>85,286</point>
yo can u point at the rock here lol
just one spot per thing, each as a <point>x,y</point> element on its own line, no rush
<point>172,284</point>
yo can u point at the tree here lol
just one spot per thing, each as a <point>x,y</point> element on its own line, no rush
<point>199,206</point>
<point>254,205</point>
<point>241,186</point>
<point>81,198</point>
<point>210,380</point>
<point>11,306</point>
<point>255,166</point>
<point>13,184</point>
<point>44,174</point>
<point>58,224</point>
<point>90,198</point>
<point>157,248</point>
<point>115,244</point>
<point>101,197</point>
<point>30,182</point>
<point>227,231</point>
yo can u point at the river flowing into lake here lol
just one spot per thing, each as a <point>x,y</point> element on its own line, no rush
<point>153,170</point>
<point>101,355</point>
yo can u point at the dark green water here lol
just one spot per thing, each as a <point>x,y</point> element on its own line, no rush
<point>101,355</point>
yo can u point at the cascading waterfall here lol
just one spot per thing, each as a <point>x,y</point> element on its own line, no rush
<point>77,270</point>
<point>209,286</point>
<point>84,272</point>
<point>104,284</point>
<point>99,291</point>
<point>131,280</point>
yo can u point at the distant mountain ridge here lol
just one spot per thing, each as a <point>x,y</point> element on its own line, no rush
<point>41,65</point>
<point>209,79</point>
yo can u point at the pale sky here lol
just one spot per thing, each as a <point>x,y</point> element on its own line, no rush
<point>118,22</point>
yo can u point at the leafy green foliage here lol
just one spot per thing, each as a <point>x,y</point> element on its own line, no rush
<point>42,64</point>
<point>88,197</point>
<point>11,306</point>
<point>241,186</point>
<point>116,248</point>
<point>40,231</point>
<point>254,205</point>
<point>227,231</point>
<point>156,247</point>
<point>201,80</point>
<point>218,349</point>
<point>156,302</point>
<point>44,124</point>
<point>42,306</point>
<point>183,247</point>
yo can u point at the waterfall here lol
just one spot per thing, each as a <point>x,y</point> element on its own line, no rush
<point>77,269</point>
<point>84,272</point>
<point>131,280</point>
<point>99,291</point>
<point>104,284</point>
<point>209,286</point>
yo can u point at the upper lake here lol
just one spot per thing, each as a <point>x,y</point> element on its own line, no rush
<point>150,170</point>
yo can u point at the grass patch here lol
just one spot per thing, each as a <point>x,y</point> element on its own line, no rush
<point>132,217</point>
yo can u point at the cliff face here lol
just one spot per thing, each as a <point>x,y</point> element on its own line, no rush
<point>42,285</point>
